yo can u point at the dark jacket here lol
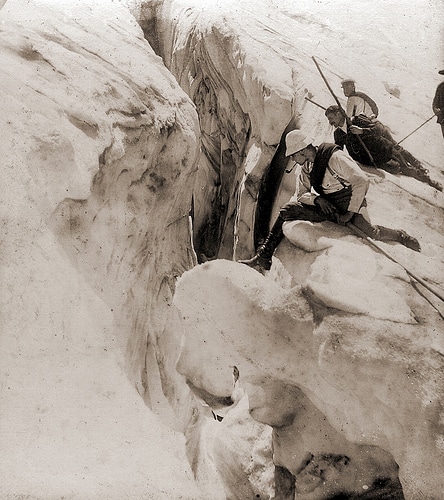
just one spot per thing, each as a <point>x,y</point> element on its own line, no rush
<point>438,102</point>
<point>320,164</point>
<point>374,137</point>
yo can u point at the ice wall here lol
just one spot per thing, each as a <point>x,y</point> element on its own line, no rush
<point>99,148</point>
<point>242,112</point>
<point>350,397</point>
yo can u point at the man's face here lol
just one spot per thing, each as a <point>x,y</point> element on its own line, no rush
<point>348,89</point>
<point>299,157</point>
<point>335,119</point>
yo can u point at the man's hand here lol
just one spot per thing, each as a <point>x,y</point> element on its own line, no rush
<point>345,218</point>
<point>324,206</point>
<point>354,129</point>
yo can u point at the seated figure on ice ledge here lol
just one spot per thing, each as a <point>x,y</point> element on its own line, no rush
<point>358,103</point>
<point>341,187</point>
<point>362,135</point>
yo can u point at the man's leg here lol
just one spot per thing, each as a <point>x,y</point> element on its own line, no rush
<point>411,167</point>
<point>292,211</point>
<point>261,261</point>
<point>382,233</point>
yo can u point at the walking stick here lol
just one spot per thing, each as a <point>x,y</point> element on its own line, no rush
<point>419,280</point>
<point>347,119</point>
<point>315,103</point>
<point>417,128</point>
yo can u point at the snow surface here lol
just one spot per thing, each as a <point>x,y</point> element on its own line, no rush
<point>352,368</point>
<point>75,81</point>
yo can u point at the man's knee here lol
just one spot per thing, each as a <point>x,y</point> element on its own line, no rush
<point>291,211</point>
<point>298,211</point>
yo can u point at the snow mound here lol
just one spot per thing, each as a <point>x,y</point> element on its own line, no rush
<point>351,277</point>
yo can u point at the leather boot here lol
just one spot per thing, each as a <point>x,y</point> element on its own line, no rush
<point>386,234</point>
<point>409,241</point>
<point>261,261</point>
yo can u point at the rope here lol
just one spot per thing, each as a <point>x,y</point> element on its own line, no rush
<point>416,278</point>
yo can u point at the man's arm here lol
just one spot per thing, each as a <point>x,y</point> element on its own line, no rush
<point>340,137</point>
<point>349,171</point>
<point>438,100</point>
<point>304,187</point>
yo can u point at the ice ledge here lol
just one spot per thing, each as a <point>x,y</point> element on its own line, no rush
<point>364,382</point>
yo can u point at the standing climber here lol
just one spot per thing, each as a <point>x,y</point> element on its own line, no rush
<point>438,103</point>
<point>341,187</point>
<point>358,103</point>
<point>370,143</point>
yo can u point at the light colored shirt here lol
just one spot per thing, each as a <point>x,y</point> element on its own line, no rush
<point>343,168</point>
<point>358,106</point>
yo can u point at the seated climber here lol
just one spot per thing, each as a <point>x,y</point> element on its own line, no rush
<point>362,135</point>
<point>358,103</point>
<point>340,187</point>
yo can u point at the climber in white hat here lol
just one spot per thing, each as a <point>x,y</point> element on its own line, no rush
<point>295,141</point>
<point>331,187</point>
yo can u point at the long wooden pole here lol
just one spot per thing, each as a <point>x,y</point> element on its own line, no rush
<point>417,128</point>
<point>424,283</point>
<point>315,103</point>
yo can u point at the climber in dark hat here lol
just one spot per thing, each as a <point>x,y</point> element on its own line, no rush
<point>358,103</point>
<point>438,103</point>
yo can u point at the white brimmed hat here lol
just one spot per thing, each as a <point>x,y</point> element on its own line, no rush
<point>295,141</point>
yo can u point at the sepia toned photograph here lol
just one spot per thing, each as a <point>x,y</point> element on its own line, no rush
<point>221,250</point>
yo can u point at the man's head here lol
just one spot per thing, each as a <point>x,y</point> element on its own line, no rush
<point>335,116</point>
<point>348,87</point>
<point>299,146</point>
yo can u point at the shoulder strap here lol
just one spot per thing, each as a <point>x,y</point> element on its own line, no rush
<point>336,176</point>
<point>369,101</point>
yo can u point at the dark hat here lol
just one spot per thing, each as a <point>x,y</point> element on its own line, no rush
<point>347,81</point>
<point>441,72</point>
